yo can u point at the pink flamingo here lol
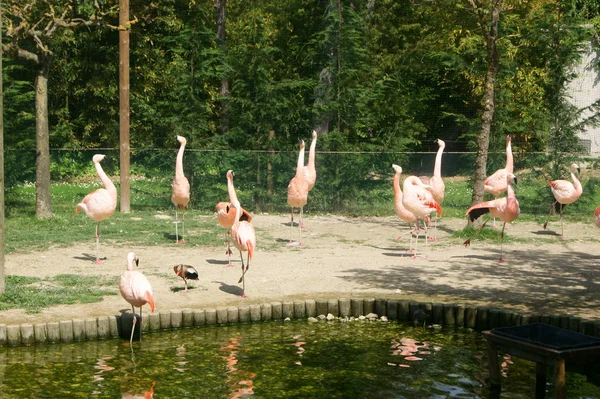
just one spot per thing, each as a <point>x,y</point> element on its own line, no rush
<point>135,289</point>
<point>418,199</point>
<point>181,190</point>
<point>401,211</point>
<point>297,195</point>
<point>100,204</point>
<point>186,272</point>
<point>597,217</point>
<point>565,193</point>
<point>438,188</point>
<point>310,170</point>
<point>505,209</point>
<point>244,239</point>
<point>226,214</point>
<point>496,183</point>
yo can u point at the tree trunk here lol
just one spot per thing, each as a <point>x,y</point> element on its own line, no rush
<point>221,38</point>
<point>43,203</point>
<point>489,102</point>
<point>2,280</point>
<point>124,105</point>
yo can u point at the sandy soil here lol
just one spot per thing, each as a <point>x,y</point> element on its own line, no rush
<point>347,257</point>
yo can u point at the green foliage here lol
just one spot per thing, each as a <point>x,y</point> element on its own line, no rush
<point>34,293</point>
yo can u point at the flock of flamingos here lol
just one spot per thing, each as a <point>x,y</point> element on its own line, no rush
<point>419,197</point>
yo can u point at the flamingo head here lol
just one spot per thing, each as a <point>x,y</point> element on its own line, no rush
<point>301,144</point>
<point>230,174</point>
<point>441,143</point>
<point>181,140</point>
<point>508,139</point>
<point>510,178</point>
<point>574,167</point>
<point>397,169</point>
<point>98,157</point>
<point>314,134</point>
<point>132,257</point>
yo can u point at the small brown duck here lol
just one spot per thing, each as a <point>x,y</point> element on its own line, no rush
<point>186,272</point>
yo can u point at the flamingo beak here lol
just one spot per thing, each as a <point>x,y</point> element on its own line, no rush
<point>137,261</point>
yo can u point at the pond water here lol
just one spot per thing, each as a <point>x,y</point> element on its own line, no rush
<point>294,359</point>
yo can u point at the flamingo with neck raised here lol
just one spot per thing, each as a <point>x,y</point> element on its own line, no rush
<point>180,196</point>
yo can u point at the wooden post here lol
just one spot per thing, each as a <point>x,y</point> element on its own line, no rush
<point>560,383</point>
<point>124,27</point>
<point>494,367</point>
<point>2,281</point>
<point>540,380</point>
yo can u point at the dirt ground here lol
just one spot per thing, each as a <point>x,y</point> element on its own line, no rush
<point>346,257</point>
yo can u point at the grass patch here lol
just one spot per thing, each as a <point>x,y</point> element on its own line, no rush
<point>34,293</point>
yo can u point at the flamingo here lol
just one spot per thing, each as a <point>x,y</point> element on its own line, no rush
<point>244,239</point>
<point>401,211</point>
<point>297,195</point>
<point>418,199</point>
<point>496,184</point>
<point>181,190</point>
<point>226,214</point>
<point>438,187</point>
<point>565,193</point>
<point>135,289</point>
<point>100,204</point>
<point>310,170</point>
<point>597,216</point>
<point>186,272</point>
<point>505,209</point>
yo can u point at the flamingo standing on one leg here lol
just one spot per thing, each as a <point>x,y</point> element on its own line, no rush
<point>100,204</point>
<point>135,289</point>
<point>244,239</point>
<point>418,200</point>
<point>401,211</point>
<point>505,209</point>
<point>496,183</point>
<point>297,195</point>
<point>226,214</point>
<point>565,193</point>
<point>310,170</point>
<point>181,191</point>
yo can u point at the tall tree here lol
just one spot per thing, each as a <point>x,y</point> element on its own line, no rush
<point>221,41</point>
<point>31,27</point>
<point>488,17</point>
<point>2,282</point>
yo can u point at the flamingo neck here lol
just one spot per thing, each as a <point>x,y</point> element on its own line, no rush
<point>509,158</point>
<point>397,190</point>
<point>231,191</point>
<point>311,154</point>
<point>300,164</point>
<point>108,184</point>
<point>577,184</point>
<point>179,161</point>
<point>437,169</point>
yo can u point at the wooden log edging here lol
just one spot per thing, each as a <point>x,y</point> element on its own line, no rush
<point>105,327</point>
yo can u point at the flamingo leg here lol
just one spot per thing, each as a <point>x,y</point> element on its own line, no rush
<point>141,323</point>
<point>176,223</point>
<point>292,227</point>
<point>133,325</point>
<point>229,253</point>
<point>562,230</point>
<point>502,243</point>
<point>98,261</point>
<point>300,224</point>
<point>243,279</point>
<point>182,225</point>
<point>548,218</point>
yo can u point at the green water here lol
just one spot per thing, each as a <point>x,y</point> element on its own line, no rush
<point>271,360</point>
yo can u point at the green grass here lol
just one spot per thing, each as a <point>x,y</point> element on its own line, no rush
<point>33,293</point>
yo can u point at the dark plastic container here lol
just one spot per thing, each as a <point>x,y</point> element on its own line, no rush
<point>548,336</point>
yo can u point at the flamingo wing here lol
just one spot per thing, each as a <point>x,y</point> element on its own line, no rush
<point>496,183</point>
<point>563,191</point>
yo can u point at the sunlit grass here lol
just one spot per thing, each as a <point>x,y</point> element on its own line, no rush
<point>34,293</point>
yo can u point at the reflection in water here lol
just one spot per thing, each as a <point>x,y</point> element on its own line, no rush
<point>408,348</point>
<point>299,344</point>
<point>149,394</point>
<point>240,381</point>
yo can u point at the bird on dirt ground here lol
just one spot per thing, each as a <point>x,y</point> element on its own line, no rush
<point>505,209</point>
<point>297,195</point>
<point>401,211</point>
<point>135,289</point>
<point>597,216</point>
<point>186,272</point>
<point>226,214</point>
<point>100,204</point>
<point>180,196</point>
<point>244,239</point>
<point>310,170</point>
<point>418,199</point>
<point>565,193</point>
